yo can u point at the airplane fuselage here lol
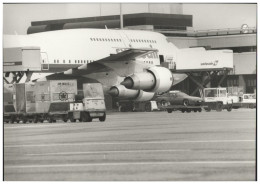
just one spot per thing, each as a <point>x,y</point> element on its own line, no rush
<point>66,49</point>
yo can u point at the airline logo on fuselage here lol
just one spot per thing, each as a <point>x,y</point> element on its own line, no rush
<point>213,63</point>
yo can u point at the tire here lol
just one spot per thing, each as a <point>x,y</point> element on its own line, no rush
<point>169,110</point>
<point>183,110</point>
<point>148,107</point>
<point>229,108</point>
<point>195,110</point>
<point>188,110</point>
<point>163,103</point>
<point>199,110</point>
<point>35,119</point>
<point>251,106</point>
<point>186,102</point>
<point>85,117</point>
<point>50,119</point>
<point>103,118</point>
<point>219,107</point>
<point>24,119</point>
<point>12,119</point>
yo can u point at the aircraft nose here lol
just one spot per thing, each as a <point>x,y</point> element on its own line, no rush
<point>113,92</point>
<point>128,83</point>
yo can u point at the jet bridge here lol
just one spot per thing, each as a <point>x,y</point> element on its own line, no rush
<point>20,61</point>
<point>200,62</point>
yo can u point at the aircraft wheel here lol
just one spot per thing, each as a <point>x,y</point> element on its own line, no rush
<point>195,110</point>
<point>148,107</point>
<point>199,110</point>
<point>183,110</point>
<point>188,110</point>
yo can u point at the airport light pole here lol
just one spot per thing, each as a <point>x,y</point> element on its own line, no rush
<point>121,17</point>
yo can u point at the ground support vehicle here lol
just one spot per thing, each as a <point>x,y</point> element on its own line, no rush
<point>217,99</point>
<point>53,98</point>
<point>91,106</point>
<point>246,101</point>
<point>130,106</point>
<point>19,102</point>
<point>183,108</point>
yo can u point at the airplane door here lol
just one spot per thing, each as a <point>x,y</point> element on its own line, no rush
<point>161,59</point>
<point>125,39</point>
<point>45,61</point>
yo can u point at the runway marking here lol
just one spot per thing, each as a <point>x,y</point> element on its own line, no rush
<point>127,164</point>
<point>97,152</point>
<point>127,142</point>
<point>35,126</point>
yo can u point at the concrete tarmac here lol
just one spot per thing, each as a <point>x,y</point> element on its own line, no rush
<point>136,146</point>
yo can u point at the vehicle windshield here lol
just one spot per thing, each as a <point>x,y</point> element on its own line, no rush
<point>211,93</point>
<point>222,93</point>
<point>93,91</point>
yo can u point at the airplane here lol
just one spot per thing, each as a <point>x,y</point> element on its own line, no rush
<point>125,62</point>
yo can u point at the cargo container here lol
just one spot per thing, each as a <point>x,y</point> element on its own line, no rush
<point>19,102</point>
<point>53,99</point>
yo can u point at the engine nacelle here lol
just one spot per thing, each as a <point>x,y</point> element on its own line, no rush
<point>144,96</point>
<point>156,79</point>
<point>122,92</point>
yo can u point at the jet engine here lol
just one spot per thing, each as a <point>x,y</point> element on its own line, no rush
<point>122,92</point>
<point>155,79</point>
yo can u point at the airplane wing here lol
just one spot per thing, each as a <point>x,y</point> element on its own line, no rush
<point>106,64</point>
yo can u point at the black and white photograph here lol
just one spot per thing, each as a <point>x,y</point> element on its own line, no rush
<point>129,91</point>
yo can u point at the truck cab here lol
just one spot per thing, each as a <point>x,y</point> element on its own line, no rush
<point>217,98</point>
<point>91,105</point>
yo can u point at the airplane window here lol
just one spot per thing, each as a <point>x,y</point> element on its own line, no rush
<point>108,39</point>
<point>145,41</point>
<point>94,39</point>
<point>69,61</point>
<point>57,61</point>
<point>54,61</point>
<point>155,41</point>
<point>63,61</point>
<point>91,39</point>
<point>105,39</point>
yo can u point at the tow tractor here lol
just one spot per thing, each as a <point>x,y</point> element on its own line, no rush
<point>90,105</point>
<point>217,99</point>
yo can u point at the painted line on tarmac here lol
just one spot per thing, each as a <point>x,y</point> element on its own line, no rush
<point>127,142</point>
<point>102,152</point>
<point>127,164</point>
<point>35,126</point>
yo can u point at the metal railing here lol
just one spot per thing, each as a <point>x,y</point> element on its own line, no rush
<point>209,32</point>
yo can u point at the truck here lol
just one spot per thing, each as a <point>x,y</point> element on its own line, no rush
<point>217,99</point>
<point>245,101</point>
<point>89,105</point>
